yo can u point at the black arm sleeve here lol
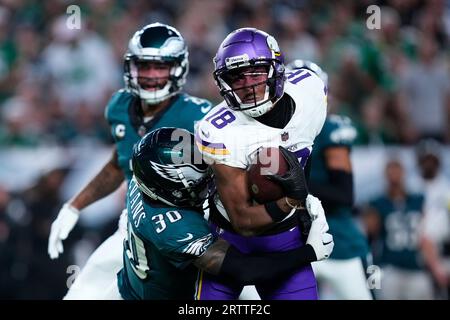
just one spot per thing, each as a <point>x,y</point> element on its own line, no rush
<point>307,169</point>
<point>259,268</point>
<point>338,190</point>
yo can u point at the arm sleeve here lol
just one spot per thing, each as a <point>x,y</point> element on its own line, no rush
<point>307,169</point>
<point>260,268</point>
<point>338,190</point>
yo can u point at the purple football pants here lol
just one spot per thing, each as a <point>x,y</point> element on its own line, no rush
<point>300,285</point>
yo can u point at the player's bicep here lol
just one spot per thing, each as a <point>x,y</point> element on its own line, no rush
<point>231,184</point>
<point>338,158</point>
<point>114,160</point>
<point>112,170</point>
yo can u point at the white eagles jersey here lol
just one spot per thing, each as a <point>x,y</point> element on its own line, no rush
<point>232,138</point>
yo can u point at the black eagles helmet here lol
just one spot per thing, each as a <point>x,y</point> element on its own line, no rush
<point>168,167</point>
<point>157,42</point>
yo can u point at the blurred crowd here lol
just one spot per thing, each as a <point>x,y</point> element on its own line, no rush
<point>393,81</point>
<point>55,81</point>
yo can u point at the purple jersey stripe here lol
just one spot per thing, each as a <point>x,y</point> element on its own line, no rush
<point>209,144</point>
<point>215,114</point>
<point>306,75</point>
<point>295,73</point>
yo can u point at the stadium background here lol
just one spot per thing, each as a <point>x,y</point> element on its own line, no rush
<point>55,82</point>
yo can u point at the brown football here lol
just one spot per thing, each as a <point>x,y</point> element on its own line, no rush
<point>268,161</point>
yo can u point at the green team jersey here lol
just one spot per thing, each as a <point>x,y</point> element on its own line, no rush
<point>127,126</point>
<point>162,242</point>
<point>399,236</point>
<point>349,241</point>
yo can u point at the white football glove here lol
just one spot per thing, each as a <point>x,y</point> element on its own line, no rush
<point>65,221</point>
<point>314,207</point>
<point>321,241</point>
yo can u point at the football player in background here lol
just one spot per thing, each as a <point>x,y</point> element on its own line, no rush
<point>168,236</point>
<point>437,215</point>
<point>155,69</point>
<point>262,108</point>
<point>331,180</point>
<point>393,222</point>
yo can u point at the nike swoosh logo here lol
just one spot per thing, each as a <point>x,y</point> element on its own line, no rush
<point>189,237</point>
<point>206,109</point>
<point>325,243</point>
<point>206,134</point>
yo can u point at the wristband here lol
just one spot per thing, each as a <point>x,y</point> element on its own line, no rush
<point>274,211</point>
<point>292,206</point>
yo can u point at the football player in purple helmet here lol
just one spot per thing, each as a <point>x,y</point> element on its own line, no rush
<point>262,108</point>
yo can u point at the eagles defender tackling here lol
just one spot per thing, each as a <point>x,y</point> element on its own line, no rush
<point>168,236</point>
<point>155,69</point>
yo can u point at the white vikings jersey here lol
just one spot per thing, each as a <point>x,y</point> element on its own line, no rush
<point>233,138</point>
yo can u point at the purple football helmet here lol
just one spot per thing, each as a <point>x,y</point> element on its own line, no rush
<point>250,47</point>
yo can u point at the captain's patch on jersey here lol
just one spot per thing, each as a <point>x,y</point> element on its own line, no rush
<point>119,131</point>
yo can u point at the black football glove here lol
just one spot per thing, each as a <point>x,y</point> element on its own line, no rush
<point>304,221</point>
<point>293,182</point>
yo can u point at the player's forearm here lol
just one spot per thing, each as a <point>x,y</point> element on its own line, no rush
<point>103,184</point>
<point>211,261</point>
<point>223,260</point>
<point>247,269</point>
<point>250,220</point>
<point>253,220</point>
<point>247,218</point>
<point>338,191</point>
<point>431,257</point>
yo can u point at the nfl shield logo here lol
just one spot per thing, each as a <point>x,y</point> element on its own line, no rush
<point>284,136</point>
